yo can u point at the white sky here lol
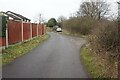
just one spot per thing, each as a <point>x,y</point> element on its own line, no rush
<point>49,8</point>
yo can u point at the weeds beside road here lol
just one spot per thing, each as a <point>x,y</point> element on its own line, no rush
<point>13,52</point>
<point>97,65</point>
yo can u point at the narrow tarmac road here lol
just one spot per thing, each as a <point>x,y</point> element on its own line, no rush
<point>58,57</point>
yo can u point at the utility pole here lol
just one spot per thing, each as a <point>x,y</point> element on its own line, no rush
<point>39,18</point>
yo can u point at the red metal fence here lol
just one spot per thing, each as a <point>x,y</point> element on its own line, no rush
<point>19,31</point>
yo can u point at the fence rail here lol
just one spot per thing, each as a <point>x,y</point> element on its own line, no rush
<point>18,31</point>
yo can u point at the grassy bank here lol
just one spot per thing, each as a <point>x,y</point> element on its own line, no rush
<point>97,65</point>
<point>16,51</point>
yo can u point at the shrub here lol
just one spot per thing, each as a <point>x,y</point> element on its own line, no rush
<point>104,42</point>
<point>3,27</point>
<point>81,25</point>
<point>105,37</point>
<point>52,22</point>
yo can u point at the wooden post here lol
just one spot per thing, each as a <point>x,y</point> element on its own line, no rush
<point>31,30</point>
<point>22,31</point>
<point>6,35</point>
<point>40,29</point>
<point>37,29</point>
<point>44,29</point>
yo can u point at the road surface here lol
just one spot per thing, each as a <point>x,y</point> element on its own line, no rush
<point>58,57</point>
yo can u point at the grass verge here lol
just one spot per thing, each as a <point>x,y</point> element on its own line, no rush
<point>13,52</point>
<point>96,65</point>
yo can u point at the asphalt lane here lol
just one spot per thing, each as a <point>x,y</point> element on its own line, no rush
<point>58,57</point>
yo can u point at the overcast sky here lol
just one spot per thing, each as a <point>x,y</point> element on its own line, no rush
<point>48,8</point>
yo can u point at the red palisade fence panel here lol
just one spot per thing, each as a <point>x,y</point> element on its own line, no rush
<point>42,29</point>
<point>39,29</point>
<point>34,29</point>
<point>14,31</point>
<point>2,41</point>
<point>26,31</point>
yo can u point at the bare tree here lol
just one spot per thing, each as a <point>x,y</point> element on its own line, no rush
<point>39,18</point>
<point>95,9</point>
<point>61,19</point>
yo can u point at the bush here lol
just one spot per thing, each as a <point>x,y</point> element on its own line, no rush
<point>3,27</point>
<point>105,37</point>
<point>81,25</point>
<point>52,22</point>
<point>104,43</point>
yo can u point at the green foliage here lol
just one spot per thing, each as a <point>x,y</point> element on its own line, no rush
<point>4,21</point>
<point>89,61</point>
<point>52,22</point>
